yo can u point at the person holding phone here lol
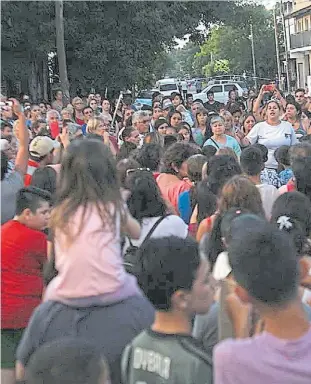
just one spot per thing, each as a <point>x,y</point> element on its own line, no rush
<point>272,133</point>
<point>266,91</point>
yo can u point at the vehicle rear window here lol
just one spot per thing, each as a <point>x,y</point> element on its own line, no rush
<point>168,87</point>
<point>216,88</point>
<point>229,87</point>
<point>144,95</point>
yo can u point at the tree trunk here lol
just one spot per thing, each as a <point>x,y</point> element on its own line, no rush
<point>32,82</point>
<point>61,54</point>
<point>45,79</point>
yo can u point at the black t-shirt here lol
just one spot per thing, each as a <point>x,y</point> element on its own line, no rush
<point>215,107</point>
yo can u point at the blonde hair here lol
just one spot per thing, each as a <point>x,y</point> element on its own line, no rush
<point>65,110</point>
<point>93,124</point>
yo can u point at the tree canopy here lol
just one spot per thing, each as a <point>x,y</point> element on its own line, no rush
<point>227,47</point>
<point>108,44</point>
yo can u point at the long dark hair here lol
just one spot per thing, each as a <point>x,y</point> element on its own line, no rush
<point>295,209</point>
<point>145,199</point>
<point>206,200</point>
<point>88,176</point>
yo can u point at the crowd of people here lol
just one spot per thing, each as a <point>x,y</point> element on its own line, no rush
<point>170,244</point>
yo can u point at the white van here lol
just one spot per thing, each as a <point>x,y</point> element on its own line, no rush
<point>167,86</point>
<point>221,92</point>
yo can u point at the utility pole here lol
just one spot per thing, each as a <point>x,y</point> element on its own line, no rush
<point>253,55</point>
<point>61,53</point>
<point>285,45</point>
<point>277,46</point>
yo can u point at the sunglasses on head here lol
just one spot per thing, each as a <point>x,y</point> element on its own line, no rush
<point>129,171</point>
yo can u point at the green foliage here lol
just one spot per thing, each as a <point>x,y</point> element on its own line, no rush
<point>227,47</point>
<point>117,44</point>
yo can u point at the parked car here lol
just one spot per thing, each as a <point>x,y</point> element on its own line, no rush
<point>167,86</point>
<point>221,92</point>
<point>144,98</point>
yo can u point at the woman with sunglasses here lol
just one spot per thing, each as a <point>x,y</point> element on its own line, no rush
<point>78,106</point>
<point>100,126</point>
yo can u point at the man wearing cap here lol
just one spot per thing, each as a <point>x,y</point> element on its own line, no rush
<point>41,154</point>
<point>167,106</point>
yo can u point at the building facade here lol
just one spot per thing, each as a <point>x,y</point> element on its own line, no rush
<point>298,31</point>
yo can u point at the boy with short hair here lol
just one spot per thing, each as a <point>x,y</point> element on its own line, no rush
<point>179,284</point>
<point>23,253</point>
<point>265,267</point>
<point>252,164</point>
<point>67,361</point>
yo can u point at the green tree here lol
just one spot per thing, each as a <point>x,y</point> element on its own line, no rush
<point>108,44</point>
<point>231,42</point>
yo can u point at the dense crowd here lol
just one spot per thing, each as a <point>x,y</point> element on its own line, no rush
<point>169,244</point>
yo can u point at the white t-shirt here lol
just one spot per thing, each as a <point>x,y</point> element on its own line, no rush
<point>268,195</point>
<point>273,137</point>
<point>170,226</point>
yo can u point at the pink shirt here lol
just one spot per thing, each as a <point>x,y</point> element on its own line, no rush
<point>171,187</point>
<point>263,359</point>
<point>92,264</point>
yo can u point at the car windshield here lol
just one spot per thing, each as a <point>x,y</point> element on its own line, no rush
<point>168,87</point>
<point>144,95</point>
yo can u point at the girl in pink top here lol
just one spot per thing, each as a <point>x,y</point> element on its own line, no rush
<point>87,221</point>
<point>173,181</point>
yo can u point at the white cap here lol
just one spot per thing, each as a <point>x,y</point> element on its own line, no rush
<point>42,146</point>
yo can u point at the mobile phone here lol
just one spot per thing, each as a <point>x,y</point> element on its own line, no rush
<point>269,88</point>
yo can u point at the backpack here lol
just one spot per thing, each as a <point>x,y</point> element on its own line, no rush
<point>131,259</point>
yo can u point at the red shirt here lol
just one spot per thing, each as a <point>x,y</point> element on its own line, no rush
<point>32,166</point>
<point>80,121</point>
<point>171,187</point>
<point>23,253</point>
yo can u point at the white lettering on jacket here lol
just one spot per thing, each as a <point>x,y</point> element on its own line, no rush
<point>152,362</point>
